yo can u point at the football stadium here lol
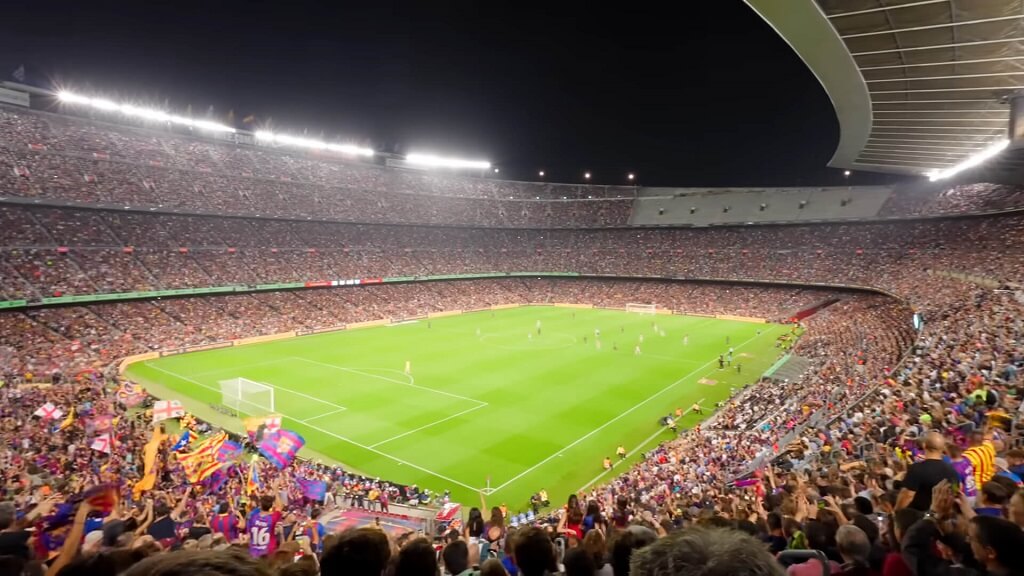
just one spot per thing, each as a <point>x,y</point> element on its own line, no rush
<point>235,341</point>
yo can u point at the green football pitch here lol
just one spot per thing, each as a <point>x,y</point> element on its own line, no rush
<point>489,405</point>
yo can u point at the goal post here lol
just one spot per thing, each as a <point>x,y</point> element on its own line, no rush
<point>244,396</point>
<point>642,308</point>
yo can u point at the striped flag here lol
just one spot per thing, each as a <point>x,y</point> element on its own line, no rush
<point>201,462</point>
<point>228,451</point>
<point>281,447</point>
<point>312,489</point>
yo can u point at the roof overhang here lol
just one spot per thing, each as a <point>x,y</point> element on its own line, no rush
<point>917,85</point>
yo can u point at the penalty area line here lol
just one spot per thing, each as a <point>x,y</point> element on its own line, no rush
<point>338,436</point>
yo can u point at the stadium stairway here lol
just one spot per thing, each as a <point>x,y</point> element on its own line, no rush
<point>792,367</point>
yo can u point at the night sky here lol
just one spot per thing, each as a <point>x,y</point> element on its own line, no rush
<point>712,99</point>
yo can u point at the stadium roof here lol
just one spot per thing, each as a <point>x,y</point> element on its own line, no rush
<point>917,85</point>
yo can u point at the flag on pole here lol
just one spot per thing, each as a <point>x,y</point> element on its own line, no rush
<point>312,489</point>
<point>101,443</point>
<point>164,409</point>
<point>280,448</point>
<point>253,484</point>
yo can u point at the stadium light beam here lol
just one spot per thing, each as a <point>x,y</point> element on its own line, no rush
<point>971,162</point>
<point>311,144</point>
<point>432,161</point>
<point>133,111</point>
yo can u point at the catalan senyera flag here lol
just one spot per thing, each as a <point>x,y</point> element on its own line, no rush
<point>202,462</point>
<point>150,453</point>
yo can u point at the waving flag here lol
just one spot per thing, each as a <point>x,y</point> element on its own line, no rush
<point>183,442</point>
<point>281,447</point>
<point>130,394</point>
<point>200,463</point>
<point>229,451</point>
<point>312,489</point>
<point>102,423</point>
<point>101,443</point>
<point>164,409</point>
<point>218,479</point>
<point>253,484</point>
<point>150,454</point>
<point>48,412</point>
<point>273,424</point>
<point>67,421</point>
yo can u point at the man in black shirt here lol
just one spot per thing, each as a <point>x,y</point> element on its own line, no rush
<point>922,476</point>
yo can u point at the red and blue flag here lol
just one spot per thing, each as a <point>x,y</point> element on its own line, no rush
<point>281,447</point>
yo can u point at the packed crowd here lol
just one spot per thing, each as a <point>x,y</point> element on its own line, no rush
<point>960,199</point>
<point>897,452</point>
<point>57,157</point>
<point>63,158</point>
<point>47,251</point>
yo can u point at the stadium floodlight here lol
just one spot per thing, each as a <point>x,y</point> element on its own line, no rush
<point>971,162</point>
<point>139,112</point>
<point>496,170</point>
<point>541,173</point>
<point>432,161</point>
<point>631,176</point>
<point>312,144</point>
<point>846,173</point>
<point>586,175</point>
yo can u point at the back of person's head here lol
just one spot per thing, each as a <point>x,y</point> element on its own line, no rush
<point>774,521</point>
<point>266,502</point>
<point>995,493</point>
<point>493,567</point>
<point>534,553</point>
<point>817,534</point>
<point>578,562</point>
<point>934,442</point>
<point>1008,485</point>
<point>702,551</point>
<point>416,558</point>
<point>868,526</point>
<point>161,509</point>
<point>594,543</point>
<point>863,505</point>
<point>110,563</point>
<point>357,552</point>
<point>853,544</point>
<point>7,515</point>
<point>997,542</point>
<point>305,566</point>
<point>223,508</point>
<point>456,556</point>
<point>748,527</point>
<point>200,562</point>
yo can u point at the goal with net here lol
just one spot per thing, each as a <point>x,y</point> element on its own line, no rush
<point>642,308</point>
<point>246,397</point>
